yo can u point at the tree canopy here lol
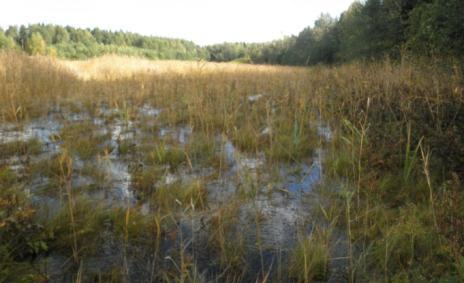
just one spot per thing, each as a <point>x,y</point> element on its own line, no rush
<point>367,29</point>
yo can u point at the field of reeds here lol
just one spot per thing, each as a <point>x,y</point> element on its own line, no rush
<point>128,170</point>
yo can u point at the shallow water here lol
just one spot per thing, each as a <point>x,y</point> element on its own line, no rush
<point>281,197</point>
<point>42,130</point>
<point>119,178</point>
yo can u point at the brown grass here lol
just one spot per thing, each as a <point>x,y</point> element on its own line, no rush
<point>381,113</point>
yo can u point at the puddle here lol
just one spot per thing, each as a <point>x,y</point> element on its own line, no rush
<point>42,130</point>
<point>324,131</point>
<point>309,175</point>
<point>280,218</point>
<point>109,112</point>
<point>147,110</point>
<point>278,208</point>
<point>240,161</point>
<point>170,179</point>
<point>118,176</point>
<point>184,133</point>
<point>78,117</point>
<point>180,134</point>
<point>266,131</point>
<point>254,98</point>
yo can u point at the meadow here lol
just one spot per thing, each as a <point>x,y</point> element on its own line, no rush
<point>120,169</point>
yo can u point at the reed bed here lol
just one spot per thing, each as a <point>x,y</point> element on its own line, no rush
<point>173,136</point>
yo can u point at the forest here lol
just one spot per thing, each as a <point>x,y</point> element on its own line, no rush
<point>368,29</point>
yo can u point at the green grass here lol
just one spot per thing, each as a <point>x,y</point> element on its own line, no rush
<point>87,230</point>
<point>310,258</point>
<point>83,140</point>
<point>202,150</point>
<point>393,169</point>
<point>166,155</point>
<point>191,197</point>
<point>20,148</point>
<point>145,179</point>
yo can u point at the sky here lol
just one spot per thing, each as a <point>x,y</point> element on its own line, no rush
<point>202,21</point>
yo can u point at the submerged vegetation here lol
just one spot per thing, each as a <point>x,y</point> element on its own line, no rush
<point>184,171</point>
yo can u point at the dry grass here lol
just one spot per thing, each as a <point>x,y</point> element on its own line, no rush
<point>114,67</point>
<point>383,115</point>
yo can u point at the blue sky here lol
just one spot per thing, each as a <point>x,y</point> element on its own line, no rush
<point>203,21</point>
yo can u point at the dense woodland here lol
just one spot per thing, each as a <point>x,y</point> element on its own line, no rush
<point>76,43</point>
<point>368,29</point>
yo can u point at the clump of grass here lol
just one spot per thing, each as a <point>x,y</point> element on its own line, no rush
<point>166,155</point>
<point>148,127</point>
<point>248,187</point>
<point>144,180</point>
<point>8,177</point>
<point>292,142</point>
<point>53,170</point>
<point>93,171</point>
<point>21,237</point>
<point>227,240</point>
<point>125,113</point>
<point>310,258</point>
<point>175,114</point>
<point>126,147</point>
<point>196,195</point>
<point>83,139</point>
<point>112,275</point>
<point>202,150</point>
<point>137,228</point>
<point>192,196</point>
<point>30,85</point>
<point>247,138</point>
<point>20,148</point>
<point>85,231</point>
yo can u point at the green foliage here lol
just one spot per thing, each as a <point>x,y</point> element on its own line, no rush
<point>6,42</point>
<point>20,148</point>
<point>368,29</point>
<point>310,258</point>
<point>20,236</point>
<point>61,35</point>
<point>78,223</point>
<point>83,140</point>
<point>437,28</point>
<point>75,43</point>
<point>191,196</point>
<point>36,45</point>
<point>165,155</point>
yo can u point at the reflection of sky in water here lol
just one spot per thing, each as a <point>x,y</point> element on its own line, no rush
<point>147,110</point>
<point>312,176</point>
<point>240,161</point>
<point>182,134</point>
<point>41,130</point>
<point>118,175</point>
<point>283,213</point>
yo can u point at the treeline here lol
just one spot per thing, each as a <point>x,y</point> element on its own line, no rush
<point>76,43</point>
<point>368,29</point>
